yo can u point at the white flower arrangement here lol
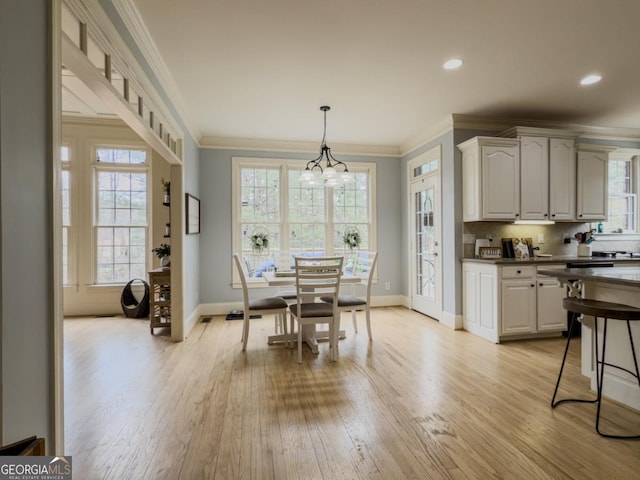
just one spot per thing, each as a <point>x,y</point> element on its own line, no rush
<point>259,241</point>
<point>351,238</point>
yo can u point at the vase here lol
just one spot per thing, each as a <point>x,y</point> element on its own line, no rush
<point>165,261</point>
<point>584,250</point>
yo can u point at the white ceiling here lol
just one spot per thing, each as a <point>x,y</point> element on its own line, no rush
<point>261,69</point>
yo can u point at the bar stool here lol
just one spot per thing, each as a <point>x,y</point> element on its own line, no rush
<point>607,311</point>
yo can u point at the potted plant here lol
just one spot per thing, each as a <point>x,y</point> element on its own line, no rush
<point>166,188</point>
<point>163,252</point>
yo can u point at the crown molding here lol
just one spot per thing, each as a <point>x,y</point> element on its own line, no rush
<point>231,143</point>
<point>424,138</point>
<point>585,131</point>
<point>132,19</point>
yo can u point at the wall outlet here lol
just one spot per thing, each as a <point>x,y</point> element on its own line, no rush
<point>387,286</point>
<point>566,238</point>
<point>541,238</point>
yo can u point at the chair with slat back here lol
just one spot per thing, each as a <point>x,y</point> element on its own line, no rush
<point>364,266</point>
<point>275,305</point>
<point>317,277</point>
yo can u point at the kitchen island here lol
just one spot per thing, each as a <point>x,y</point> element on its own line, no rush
<point>618,285</point>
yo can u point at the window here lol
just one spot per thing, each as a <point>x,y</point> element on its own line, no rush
<point>623,190</point>
<point>66,211</point>
<point>269,199</point>
<point>120,218</point>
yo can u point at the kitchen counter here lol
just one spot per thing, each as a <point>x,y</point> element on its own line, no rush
<point>554,260</point>
<point>629,276</point>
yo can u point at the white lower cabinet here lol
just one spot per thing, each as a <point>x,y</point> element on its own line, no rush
<point>502,302</point>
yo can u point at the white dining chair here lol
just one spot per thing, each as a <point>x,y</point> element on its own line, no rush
<point>316,277</point>
<point>262,306</point>
<point>364,266</point>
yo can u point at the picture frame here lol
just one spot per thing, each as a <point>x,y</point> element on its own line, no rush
<point>193,214</point>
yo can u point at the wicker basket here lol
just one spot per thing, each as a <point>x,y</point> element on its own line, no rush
<point>130,305</point>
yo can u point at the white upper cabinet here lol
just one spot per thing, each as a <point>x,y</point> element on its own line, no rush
<point>534,178</point>
<point>592,176</point>
<point>490,179</point>
<point>562,179</point>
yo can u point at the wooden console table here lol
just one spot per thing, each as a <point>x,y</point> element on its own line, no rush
<point>160,298</point>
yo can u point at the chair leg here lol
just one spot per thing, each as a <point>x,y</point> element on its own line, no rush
<point>299,343</point>
<point>277,327</point>
<point>368,316</point>
<point>245,331</point>
<point>355,324</point>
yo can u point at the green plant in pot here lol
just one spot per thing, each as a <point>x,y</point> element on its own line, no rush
<point>163,252</point>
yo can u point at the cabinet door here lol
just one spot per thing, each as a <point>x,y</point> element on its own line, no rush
<point>551,315</point>
<point>518,307</point>
<point>592,186</point>
<point>534,178</point>
<point>480,298</point>
<point>562,179</point>
<point>500,182</point>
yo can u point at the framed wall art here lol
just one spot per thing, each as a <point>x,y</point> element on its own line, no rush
<point>193,214</point>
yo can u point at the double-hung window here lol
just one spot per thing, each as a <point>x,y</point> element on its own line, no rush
<point>269,200</point>
<point>120,214</point>
<point>65,159</point>
<point>623,193</point>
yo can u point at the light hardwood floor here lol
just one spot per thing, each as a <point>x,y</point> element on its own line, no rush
<point>419,402</point>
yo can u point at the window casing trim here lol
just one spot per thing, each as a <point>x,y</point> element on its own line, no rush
<point>284,165</point>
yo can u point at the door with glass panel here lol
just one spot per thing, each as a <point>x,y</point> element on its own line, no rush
<point>426,271</point>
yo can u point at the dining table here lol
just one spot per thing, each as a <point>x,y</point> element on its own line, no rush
<point>309,333</point>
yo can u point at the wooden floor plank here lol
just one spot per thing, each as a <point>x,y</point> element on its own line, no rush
<point>420,401</point>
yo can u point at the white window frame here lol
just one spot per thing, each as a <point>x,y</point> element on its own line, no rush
<point>97,167</point>
<point>634,156</point>
<point>72,231</point>
<point>284,165</point>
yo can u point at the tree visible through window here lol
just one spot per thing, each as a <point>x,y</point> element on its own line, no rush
<point>120,217</point>
<point>297,219</point>
<point>622,214</point>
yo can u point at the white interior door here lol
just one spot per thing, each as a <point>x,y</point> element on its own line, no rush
<point>426,276</point>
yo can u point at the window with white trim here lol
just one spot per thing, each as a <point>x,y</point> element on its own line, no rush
<point>65,177</point>
<point>268,199</point>
<point>120,216</point>
<point>623,194</point>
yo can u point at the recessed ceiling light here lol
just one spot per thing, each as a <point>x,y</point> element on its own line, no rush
<point>452,64</point>
<point>591,79</point>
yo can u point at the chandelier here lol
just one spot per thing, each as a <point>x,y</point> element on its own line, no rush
<point>333,173</point>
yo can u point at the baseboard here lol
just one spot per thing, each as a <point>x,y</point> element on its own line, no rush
<point>388,301</point>
<point>191,321</point>
<point>451,320</point>
<point>619,390</point>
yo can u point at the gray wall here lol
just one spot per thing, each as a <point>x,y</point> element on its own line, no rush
<point>215,187</point>
<point>27,234</point>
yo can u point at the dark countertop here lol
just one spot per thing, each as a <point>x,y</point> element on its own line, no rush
<point>617,275</point>
<point>554,260</point>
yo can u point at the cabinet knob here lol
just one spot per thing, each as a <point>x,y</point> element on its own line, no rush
<point>553,214</point>
<point>533,284</point>
<point>519,271</point>
<point>541,284</point>
<point>580,215</point>
<point>546,214</point>
<point>517,214</point>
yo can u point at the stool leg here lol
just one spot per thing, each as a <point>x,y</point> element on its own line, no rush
<point>602,364</point>
<point>633,352</point>
<point>554,404</point>
<point>564,358</point>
